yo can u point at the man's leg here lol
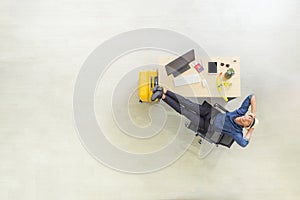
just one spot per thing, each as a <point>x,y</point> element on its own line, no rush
<point>192,116</point>
<point>197,108</point>
<point>172,103</point>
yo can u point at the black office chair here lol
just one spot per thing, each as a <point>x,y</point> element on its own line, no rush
<point>207,133</point>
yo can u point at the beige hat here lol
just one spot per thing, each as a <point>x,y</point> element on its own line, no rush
<point>254,123</point>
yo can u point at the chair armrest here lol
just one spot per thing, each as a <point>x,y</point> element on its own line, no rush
<point>216,105</point>
<point>225,140</point>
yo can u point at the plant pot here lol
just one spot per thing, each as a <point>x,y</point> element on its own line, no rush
<point>229,73</point>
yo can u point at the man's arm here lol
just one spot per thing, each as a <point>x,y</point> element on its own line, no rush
<point>249,134</point>
<point>253,104</point>
<point>245,106</point>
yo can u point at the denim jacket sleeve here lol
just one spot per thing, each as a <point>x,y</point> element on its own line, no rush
<point>243,142</point>
<point>245,106</point>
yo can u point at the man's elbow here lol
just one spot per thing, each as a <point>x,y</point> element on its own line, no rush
<point>243,143</point>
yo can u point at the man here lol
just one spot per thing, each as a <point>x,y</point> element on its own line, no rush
<point>231,123</point>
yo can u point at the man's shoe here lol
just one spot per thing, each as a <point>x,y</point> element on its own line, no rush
<point>157,88</point>
<point>156,95</point>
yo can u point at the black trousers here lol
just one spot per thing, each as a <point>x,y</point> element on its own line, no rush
<point>198,114</point>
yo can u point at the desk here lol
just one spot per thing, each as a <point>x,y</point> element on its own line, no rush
<point>197,89</point>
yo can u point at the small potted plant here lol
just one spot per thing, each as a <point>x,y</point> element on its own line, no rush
<point>229,73</point>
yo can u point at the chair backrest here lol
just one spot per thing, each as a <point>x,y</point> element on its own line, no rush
<point>225,140</point>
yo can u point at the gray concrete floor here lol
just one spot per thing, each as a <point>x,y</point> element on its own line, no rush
<point>42,47</point>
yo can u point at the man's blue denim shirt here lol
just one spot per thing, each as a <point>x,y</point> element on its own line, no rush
<point>224,122</point>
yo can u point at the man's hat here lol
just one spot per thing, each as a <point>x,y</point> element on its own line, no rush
<point>254,123</point>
